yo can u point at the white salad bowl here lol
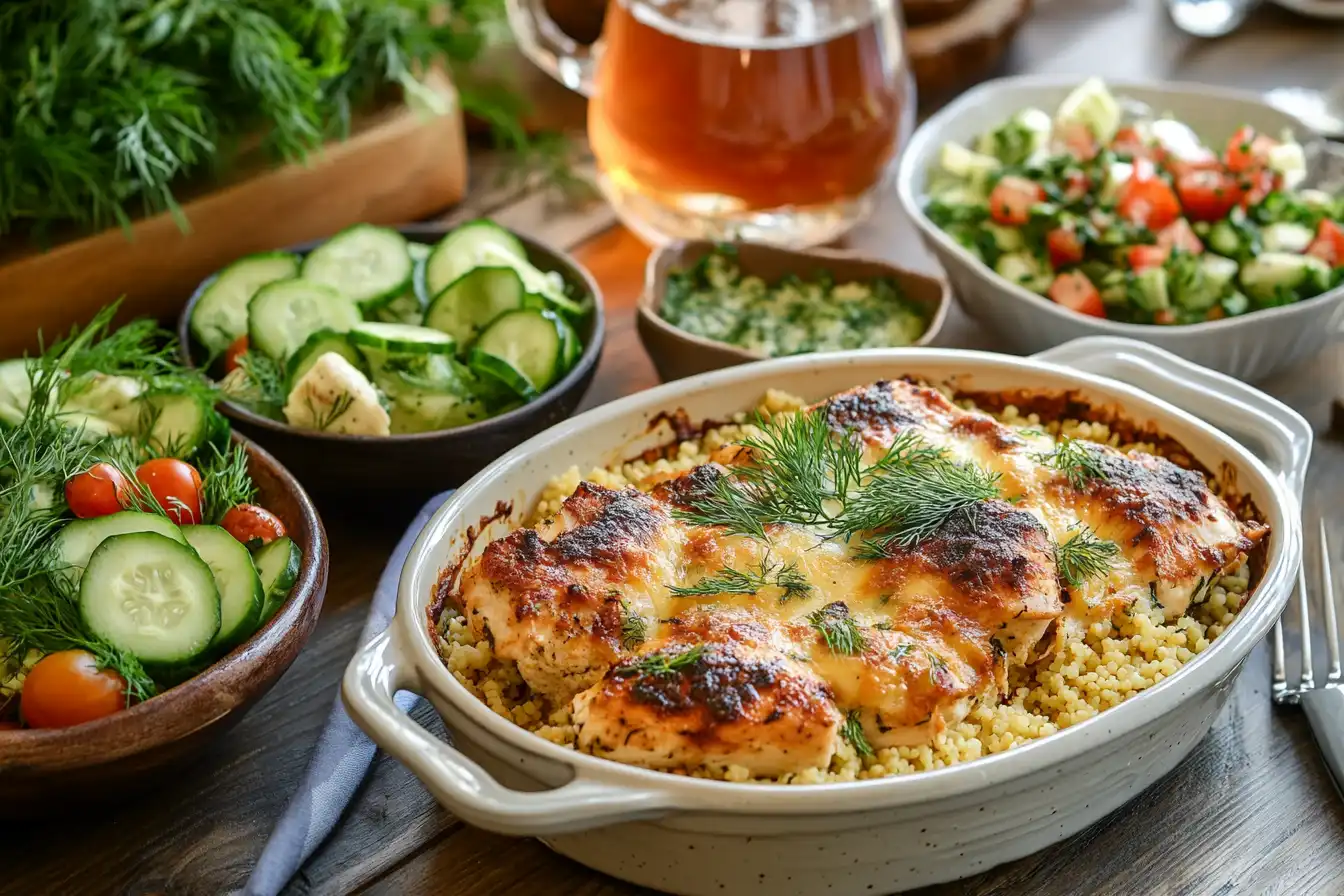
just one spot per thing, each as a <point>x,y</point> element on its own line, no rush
<point>693,836</point>
<point>1249,347</point>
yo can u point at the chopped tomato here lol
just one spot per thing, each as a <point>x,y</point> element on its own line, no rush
<point>1141,258</point>
<point>1256,184</point>
<point>1179,168</point>
<point>67,688</point>
<point>98,491</point>
<point>1148,201</point>
<point>175,485</point>
<point>1074,291</point>
<point>1329,243</point>
<point>1064,246</point>
<point>1246,149</point>
<point>249,523</point>
<point>1078,140</point>
<point>1179,235</point>
<point>236,348</point>
<point>1076,186</point>
<point>1127,142</point>
<point>1215,313</point>
<point>1011,200</point>
<point>1164,316</point>
<point>1208,194</point>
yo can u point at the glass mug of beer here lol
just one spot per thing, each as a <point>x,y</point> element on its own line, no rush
<point>768,120</point>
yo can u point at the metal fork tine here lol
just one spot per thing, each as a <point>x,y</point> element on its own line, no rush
<point>1279,679</point>
<point>1334,675</point>
<point>1308,679</point>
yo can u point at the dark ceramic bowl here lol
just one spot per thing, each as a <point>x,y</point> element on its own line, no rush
<point>45,770</point>
<point>400,468</point>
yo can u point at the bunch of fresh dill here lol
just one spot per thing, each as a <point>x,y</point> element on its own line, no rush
<point>107,106</point>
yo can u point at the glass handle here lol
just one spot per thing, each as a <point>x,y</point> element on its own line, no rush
<point>541,40</point>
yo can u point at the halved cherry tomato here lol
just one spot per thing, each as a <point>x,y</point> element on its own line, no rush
<point>1329,243</point>
<point>1208,194</point>
<point>1064,247</point>
<point>249,523</point>
<point>1076,186</point>
<point>1148,201</point>
<point>98,491</point>
<point>1141,258</point>
<point>1164,316</point>
<point>1074,291</point>
<point>1179,235</point>
<point>1127,142</point>
<point>236,348</point>
<point>1246,149</point>
<point>175,485</point>
<point>1256,184</point>
<point>1078,140</point>
<point>67,688</point>
<point>1011,200</point>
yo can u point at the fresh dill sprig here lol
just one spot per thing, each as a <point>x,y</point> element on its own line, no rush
<point>322,420</point>
<point>662,663</point>
<point>225,481</point>
<point>837,629</point>
<point>937,666</point>
<point>634,627</point>
<point>791,582</point>
<point>1085,556</point>
<point>901,651</point>
<point>788,578</point>
<point>851,729</point>
<point>258,383</point>
<point>1076,460</point>
<point>913,499</point>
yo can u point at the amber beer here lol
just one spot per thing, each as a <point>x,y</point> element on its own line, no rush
<point>770,120</point>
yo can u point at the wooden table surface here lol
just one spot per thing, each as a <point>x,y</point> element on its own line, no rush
<point>1251,811</point>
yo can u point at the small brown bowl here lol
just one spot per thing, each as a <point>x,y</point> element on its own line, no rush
<point>47,769</point>
<point>677,353</point>
<point>402,469</point>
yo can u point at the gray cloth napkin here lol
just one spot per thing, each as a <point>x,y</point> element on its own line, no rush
<point>343,752</point>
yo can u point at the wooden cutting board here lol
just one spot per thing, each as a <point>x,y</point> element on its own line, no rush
<point>399,164</point>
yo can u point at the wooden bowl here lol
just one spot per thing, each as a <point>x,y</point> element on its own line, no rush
<point>47,770</point>
<point>952,53</point>
<point>677,353</point>
<point>401,469</point>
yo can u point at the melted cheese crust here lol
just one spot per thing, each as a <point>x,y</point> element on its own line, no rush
<point>939,624</point>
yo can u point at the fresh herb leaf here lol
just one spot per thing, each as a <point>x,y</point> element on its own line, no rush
<point>323,419</point>
<point>258,383</point>
<point>937,666</point>
<point>662,663</point>
<point>1076,459</point>
<point>1085,556</point>
<point>837,629</point>
<point>225,481</point>
<point>851,729</point>
<point>634,627</point>
<point>1152,596</point>
<point>901,651</point>
<point>788,578</point>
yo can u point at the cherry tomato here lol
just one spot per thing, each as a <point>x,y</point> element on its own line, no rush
<point>1127,142</point>
<point>249,523</point>
<point>1256,184</point>
<point>1064,247</point>
<point>1075,292</point>
<point>1141,258</point>
<point>1208,194</point>
<point>67,688</point>
<point>98,491</point>
<point>1164,316</point>
<point>1215,313</point>
<point>1179,235</point>
<point>1148,201</point>
<point>1246,149</point>
<point>1011,200</point>
<point>1076,186</point>
<point>1329,243</point>
<point>175,485</point>
<point>1078,140</point>
<point>236,348</point>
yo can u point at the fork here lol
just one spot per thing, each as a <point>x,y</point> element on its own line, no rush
<point>1323,704</point>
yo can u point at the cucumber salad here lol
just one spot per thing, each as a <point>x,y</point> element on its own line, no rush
<point>1113,212</point>
<point>132,555</point>
<point>371,334</point>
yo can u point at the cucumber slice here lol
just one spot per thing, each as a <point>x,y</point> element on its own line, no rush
<point>76,543</point>
<point>529,341</point>
<point>571,348</point>
<point>176,425</point>
<point>281,316</point>
<point>404,309</point>
<point>278,568</point>
<point>220,314</point>
<point>152,596</point>
<point>402,339</point>
<point>371,265</point>
<point>241,596</point>
<point>493,368</point>
<point>16,390</point>
<point>467,247</point>
<point>464,307</point>
<point>317,345</point>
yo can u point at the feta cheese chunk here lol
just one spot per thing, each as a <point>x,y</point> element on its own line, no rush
<point>333,396</point>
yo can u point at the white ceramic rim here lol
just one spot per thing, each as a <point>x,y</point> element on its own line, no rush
<point>684,793</point>
<point>918,153</point>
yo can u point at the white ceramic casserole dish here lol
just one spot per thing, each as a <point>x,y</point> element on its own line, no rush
<point>1250,347</point>
<point>696,836</point>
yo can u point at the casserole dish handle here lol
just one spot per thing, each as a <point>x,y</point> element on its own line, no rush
<point>1281,435</point>
<point>374,676</point>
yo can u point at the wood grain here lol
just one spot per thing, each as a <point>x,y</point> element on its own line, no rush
<point>400,165</point>
<point>1251,812</point>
